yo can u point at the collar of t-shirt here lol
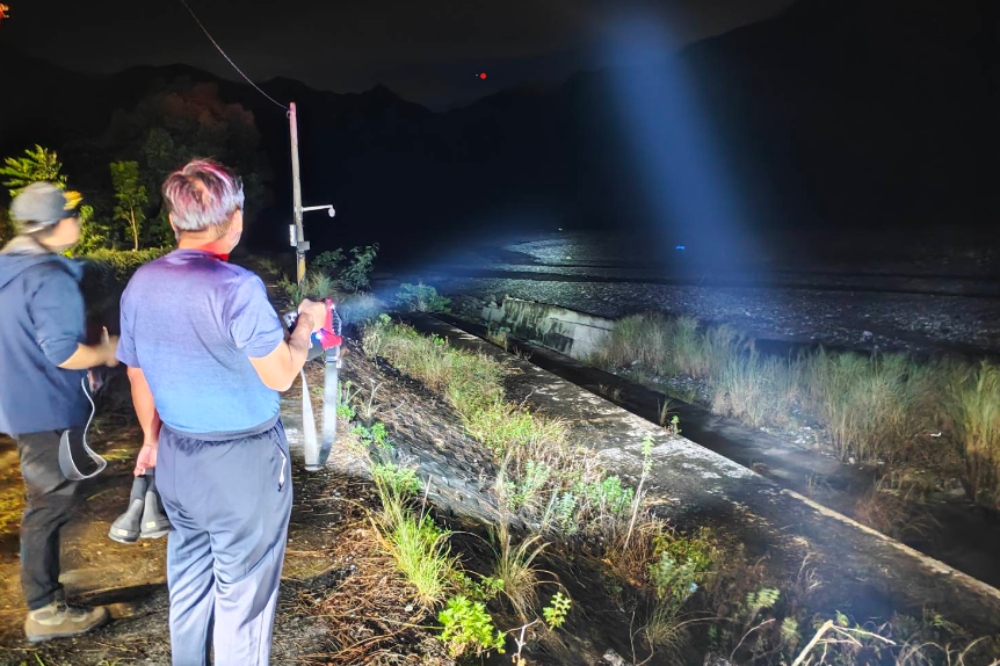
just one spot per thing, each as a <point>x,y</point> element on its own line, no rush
<point>205,250</point>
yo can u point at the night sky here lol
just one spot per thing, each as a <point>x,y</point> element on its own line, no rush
<point>429,52</point>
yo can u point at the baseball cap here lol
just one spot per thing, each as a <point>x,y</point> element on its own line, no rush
<point>40,205</point>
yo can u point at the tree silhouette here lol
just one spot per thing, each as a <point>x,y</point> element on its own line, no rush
<point>131,196</point>
<point>36,165</point>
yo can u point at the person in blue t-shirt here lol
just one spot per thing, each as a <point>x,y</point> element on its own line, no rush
<point>206,356</point>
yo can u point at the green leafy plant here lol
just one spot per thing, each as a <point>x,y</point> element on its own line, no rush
<point>485,589</point>
<point>467,628</point>
<point>345,406</point>
<point>401,481</point>
<point>373,437</point>
<point>557,610</point>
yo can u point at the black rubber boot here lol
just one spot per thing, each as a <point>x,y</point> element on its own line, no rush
<point>126,527</point>
<point>155,523</point>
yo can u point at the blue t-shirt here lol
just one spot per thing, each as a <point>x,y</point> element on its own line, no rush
<point>192,322</point>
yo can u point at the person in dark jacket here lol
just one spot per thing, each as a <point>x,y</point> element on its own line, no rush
<point>43,370</point>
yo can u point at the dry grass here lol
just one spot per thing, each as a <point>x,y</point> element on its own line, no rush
<point>973,410</point>
<point>11,507</point>
<point>516,571</point>
<point>873,406</point>
<point>889,513</point>
<point>756,390</point>
<point>369,614</point>
<point>876,409</point>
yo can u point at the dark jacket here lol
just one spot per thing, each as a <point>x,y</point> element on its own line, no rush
<point>42,319</point>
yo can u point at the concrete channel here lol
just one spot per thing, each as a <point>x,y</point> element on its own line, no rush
<point>560,340</point>
<point>867,574</point>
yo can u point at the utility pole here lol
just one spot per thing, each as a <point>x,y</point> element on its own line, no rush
<point>296,232</point>
<point>299,235</point>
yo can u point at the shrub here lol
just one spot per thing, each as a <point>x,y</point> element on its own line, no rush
<point>357,275</point>
<point>515,571</point>
<point>359,308</point>
<point>421,298</point>
<point>329,262</point>
<point>680,564</point>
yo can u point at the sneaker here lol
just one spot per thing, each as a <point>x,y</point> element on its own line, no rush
<point>60,620</point>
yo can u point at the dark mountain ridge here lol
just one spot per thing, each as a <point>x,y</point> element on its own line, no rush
<point>870,119</point>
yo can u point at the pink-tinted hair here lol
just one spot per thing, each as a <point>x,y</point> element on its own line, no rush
<point>203,194</point>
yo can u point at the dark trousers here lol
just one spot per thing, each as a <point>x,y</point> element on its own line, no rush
<point>49,503</point>
<point>229,503</point>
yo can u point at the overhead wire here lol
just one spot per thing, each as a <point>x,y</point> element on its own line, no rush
<point>228,59</point>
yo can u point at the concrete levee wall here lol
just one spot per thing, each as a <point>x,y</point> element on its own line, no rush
<point>572,333</point>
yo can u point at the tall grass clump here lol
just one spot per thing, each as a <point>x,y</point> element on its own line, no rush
<point>640,340</point>
<point>973,407</point>
<point>687,347</point>
<point>515,569</point>
<point>418,545</point>
<point>423,555</point>
<point>755,389</point>
<point>873,405</point>
<point>653,344</point>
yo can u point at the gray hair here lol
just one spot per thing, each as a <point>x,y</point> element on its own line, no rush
<point>203,194</point>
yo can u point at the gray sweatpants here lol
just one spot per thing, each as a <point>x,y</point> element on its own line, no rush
<point>229,503</point>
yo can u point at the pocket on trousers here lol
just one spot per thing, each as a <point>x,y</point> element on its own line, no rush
<point>284,471</point>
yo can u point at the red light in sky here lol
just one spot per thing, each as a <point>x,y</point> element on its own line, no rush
<point>482,75</point>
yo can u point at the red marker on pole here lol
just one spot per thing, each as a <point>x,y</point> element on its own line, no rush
<point>482,75</point>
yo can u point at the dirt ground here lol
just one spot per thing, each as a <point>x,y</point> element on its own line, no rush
<point>324,616</point>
